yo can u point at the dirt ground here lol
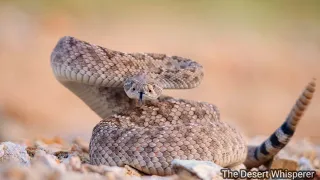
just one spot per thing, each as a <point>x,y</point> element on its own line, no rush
<point>257,60</point>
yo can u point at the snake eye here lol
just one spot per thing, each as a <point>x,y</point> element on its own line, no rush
<point>150,91</point>
<point>133,89</point>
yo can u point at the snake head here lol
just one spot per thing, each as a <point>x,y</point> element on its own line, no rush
<point>142,88</point>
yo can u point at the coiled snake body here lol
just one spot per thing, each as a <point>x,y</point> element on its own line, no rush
<point>149,135</point>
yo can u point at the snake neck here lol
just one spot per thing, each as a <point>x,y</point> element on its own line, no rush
<point>103,101</point>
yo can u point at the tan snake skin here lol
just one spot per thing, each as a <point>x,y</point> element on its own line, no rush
<point>148,137</point>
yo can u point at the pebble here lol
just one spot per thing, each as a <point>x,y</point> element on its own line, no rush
<point>305,164</point>
<point>205,170</point>
<point>16,153</point>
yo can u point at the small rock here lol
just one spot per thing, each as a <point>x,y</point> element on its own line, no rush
<point>205,170</point>
<point>262,168</point>
<point>84,156</point>
<point>254,169</point>
<point>48,160</point>
<point>74,163</point>
<point>62,155</point>
<point>31,151</point>
<point>49,148</point>
<point>82,144</point>
<point>11,152</point>
<point>305,164</point>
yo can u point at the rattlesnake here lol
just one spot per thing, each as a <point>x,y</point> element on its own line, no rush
<point>145,129</point>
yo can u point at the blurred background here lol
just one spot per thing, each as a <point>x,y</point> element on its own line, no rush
<point>257,55</point>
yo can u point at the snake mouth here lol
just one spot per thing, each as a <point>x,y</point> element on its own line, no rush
<point>141,96</point>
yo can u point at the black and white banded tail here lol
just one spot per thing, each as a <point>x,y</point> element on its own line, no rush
<point>258,155</point>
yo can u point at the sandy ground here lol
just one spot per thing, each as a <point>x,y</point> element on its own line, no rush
<point>252,73</point>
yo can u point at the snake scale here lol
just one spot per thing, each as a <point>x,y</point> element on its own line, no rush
<point>145,129</point>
